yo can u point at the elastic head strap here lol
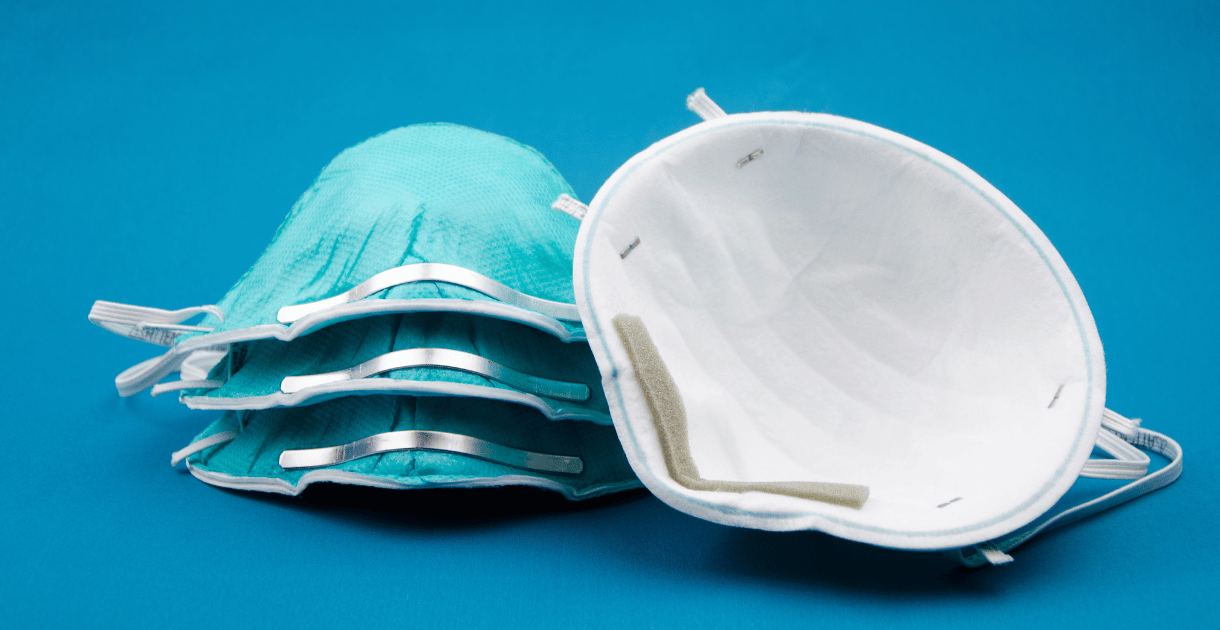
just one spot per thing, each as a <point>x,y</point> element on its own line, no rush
<point>994,552</point>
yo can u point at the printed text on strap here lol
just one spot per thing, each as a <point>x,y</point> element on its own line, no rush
<point>152,325</point>
<point>571,207</point>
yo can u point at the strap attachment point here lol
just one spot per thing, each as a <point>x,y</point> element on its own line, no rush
<point>570,207</point>
<point>700,103</point>
<point>1159,443</point>
<point>994,555</point>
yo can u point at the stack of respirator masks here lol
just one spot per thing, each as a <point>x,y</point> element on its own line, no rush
<point>411,324</point>
<point>795,322</point>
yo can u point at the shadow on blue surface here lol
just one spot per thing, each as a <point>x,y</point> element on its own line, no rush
<point>802,559</point>
<point>436,508</point>
<point>149,150</point>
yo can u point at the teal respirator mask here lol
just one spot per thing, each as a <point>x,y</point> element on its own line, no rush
<point>423,218</point>
<point>407,442</point>
<point>412,324</point>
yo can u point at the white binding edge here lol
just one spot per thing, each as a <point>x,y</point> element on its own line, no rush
<point>145,374</point>
<point>280,486</point>
<point>375,386</point>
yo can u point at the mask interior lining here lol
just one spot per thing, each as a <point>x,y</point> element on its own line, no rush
<point>669,414</point>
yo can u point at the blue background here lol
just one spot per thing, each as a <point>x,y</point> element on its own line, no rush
<point>147,155</point>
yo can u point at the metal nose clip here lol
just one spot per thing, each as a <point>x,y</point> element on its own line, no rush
<point>430,441</point>
<point>433,272</point>
<point>442,357</point>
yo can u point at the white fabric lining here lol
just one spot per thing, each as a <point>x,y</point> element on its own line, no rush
<point>1082,399</point>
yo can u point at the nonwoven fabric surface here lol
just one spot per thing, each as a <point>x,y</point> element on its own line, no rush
<point>438,193</point>
<point>258,367</point>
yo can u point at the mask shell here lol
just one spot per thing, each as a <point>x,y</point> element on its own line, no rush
<point>838,303</point>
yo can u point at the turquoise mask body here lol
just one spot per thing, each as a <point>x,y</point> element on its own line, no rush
<point>420,354</point>
<point>408,442</point>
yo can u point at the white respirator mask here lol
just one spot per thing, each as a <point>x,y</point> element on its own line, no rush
<point>806,322</point>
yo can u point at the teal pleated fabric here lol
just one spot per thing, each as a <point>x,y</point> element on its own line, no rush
<point>253,374</point>
<point>437,193</point>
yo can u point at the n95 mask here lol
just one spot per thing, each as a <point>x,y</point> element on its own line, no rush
<point>432,217</point>
<point>808,322</point>
<point>420,354</point>
<point>406,442</point>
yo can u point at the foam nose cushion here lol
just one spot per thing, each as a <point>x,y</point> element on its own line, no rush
<point>665,403</point>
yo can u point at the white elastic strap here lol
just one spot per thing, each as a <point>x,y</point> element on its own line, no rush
<point>173,386</point>
<point>1128,463</point>
<point>705,107</point>
<point>199,364</point>
<point>1123,426</point>
<point>994,556</point>
<point>570,207</point>
<point>149,372</point>
<point>151,325</point>
<point>195,447</point>
<point>1151,440</point>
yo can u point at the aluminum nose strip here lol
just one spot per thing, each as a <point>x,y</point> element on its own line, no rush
<point>430,441</point>
<point>441,357</point>
<point>433,272</point>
